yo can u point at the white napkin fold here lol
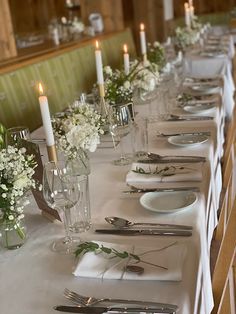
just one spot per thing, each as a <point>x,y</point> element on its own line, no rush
<point>93,265</point>
<point>183,172</point>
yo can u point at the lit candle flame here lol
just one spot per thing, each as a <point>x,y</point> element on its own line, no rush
<point>40,89</point>
<point>125,49</point>
<point>142,27</point>
<point>97,45</point>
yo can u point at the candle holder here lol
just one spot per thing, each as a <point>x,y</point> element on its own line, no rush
<point>103,107</point>
<point>52,153</point>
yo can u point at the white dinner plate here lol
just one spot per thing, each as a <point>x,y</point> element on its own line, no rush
<point>199,108</point>
<point>213,54</point>
<point>168,202</point>
<point>187,139</point>
<point>205,89</point>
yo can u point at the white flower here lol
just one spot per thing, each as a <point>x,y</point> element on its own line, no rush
<point>4,187</point>
<point>156,44</point>
<point>16,171</point>
<point>107,70</point>
<point>127,85</point>
<point>21,182</point>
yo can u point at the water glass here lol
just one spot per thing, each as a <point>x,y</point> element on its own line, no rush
<point>80,216</point>
<point>120,125</point>
<point>140,137</point>
<point>61,191</point>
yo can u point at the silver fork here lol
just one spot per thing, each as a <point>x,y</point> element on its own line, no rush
<point>79,299</point>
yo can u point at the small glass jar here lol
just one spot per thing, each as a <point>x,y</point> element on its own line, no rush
<point>12,237</point>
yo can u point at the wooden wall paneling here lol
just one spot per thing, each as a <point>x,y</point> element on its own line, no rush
<point>151,13</point>
<point>204,7</point>
<point>111,11</point>
<point>31,16</point>
<point>7,40</point>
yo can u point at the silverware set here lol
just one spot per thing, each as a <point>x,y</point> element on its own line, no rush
<point>184,133</point>
<point>136,190</point>
<point>173,117</point>
<point>86,304</point>
<point>152,158</point>
<point>124,227</point>
<point>150,232</point>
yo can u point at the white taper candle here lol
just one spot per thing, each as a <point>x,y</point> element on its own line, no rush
<point>187,15</point>
<point>143,40</point>
<point>99,66</point>
<point>47,125</point>
<point>126,60</point>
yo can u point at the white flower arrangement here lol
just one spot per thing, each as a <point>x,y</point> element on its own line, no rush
<point>186,37</point>
<point>78,128</point>
<point>156,54</point>
<point>195,24</point>
<point>118,89</point>
<point>16,177</point>
<point>147,75</point>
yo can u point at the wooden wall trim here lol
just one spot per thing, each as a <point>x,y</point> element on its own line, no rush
<point>53,52</point>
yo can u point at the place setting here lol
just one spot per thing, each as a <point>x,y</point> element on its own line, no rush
<point>185,139</point>
<point>103,304</point>
<point>205,87</point>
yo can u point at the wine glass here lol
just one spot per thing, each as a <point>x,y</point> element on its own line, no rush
<point>15,135</point>
<point>61,191</point>
<point>120,126</point>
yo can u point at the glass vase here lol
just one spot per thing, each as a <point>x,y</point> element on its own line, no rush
<point>80,164</point>
<point>80,216</point>
<point>12,237</point>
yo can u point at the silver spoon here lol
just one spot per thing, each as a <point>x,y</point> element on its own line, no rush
<point>124,223</point>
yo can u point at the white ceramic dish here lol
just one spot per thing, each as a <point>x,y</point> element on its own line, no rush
<point>205,89</point>
<point>187,140</point>
<point>168,202</point>
<point>213,54</point>
<point>199,108</point>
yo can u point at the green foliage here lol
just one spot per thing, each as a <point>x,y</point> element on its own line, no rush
<point>3,131</point>
<point>96,248</point>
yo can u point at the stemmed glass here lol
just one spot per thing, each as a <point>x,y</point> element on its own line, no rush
<point>61,191</point>
<point>120,126</point>
<point>15,135</point>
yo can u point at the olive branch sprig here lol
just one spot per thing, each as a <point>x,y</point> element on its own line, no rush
<point>86,247</point>
<point>163,172</point>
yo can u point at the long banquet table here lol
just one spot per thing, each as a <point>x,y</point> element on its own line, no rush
<point>32,278</point>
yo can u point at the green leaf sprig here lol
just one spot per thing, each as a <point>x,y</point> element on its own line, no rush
<point>86,247</point>
<point>163,172</point>
<point>96,248</point>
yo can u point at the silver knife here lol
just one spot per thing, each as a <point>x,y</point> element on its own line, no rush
<point>183,118</point>
<point>184,133</point>
<point>170,160</point>
<point>100,309</point>
<point>159,232</point>
<point>188,188</point>
<point>157,156</point>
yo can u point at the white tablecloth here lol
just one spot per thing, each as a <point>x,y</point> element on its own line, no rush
<point>200,66</point>
<point>32,278</point>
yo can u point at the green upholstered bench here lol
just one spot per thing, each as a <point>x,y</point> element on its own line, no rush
<point>65,73</point>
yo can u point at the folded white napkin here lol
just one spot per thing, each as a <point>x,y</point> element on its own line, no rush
<point>182,172</point>
<point>93,265</point>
